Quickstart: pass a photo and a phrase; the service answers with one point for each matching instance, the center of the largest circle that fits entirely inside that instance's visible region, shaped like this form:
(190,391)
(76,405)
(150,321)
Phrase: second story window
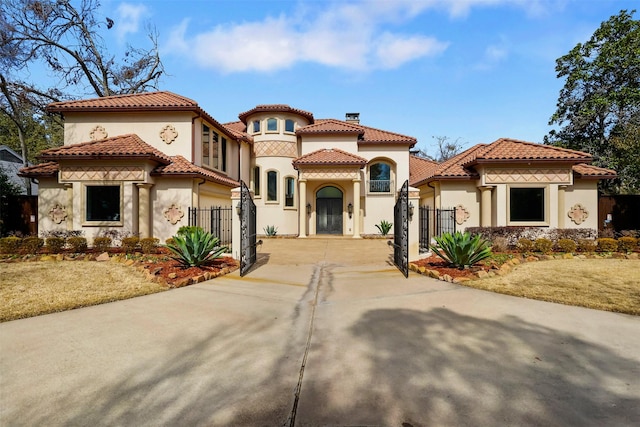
(272,125)
(214,150)
(379,178)
(223,153)
(256,126)
(289,125)
(205,144)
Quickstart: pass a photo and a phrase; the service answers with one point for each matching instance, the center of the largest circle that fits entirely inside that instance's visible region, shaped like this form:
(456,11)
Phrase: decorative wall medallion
(578,213)
(462,214)
(173,214)
(168,134)
(58,214)
(98,133)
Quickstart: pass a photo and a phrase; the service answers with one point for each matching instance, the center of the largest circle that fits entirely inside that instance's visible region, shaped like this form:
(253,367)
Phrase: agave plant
(461,250)
(193,248)
(384,227)
(270,230)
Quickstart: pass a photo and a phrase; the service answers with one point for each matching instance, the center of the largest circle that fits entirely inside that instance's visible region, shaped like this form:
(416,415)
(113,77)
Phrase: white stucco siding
(585,193)
(78,128)
(210,194)
(377,208)
(274,212)
(280,134)
(164,194)
(311,143)
(51,194)
(465,193)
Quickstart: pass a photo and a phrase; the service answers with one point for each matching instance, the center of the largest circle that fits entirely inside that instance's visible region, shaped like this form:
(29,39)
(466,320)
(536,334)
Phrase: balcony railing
(380,186)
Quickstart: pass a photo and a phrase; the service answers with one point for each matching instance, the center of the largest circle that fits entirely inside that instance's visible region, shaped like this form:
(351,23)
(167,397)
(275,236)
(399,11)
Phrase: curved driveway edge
(376,348)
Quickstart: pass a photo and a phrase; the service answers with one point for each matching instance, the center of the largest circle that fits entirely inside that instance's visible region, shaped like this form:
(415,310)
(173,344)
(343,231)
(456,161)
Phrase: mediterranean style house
(139,162)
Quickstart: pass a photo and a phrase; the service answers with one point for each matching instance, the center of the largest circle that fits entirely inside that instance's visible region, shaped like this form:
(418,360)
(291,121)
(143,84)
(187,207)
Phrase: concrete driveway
(322,332)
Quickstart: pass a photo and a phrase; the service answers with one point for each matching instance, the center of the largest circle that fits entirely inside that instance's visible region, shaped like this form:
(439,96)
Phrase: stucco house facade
(139,162)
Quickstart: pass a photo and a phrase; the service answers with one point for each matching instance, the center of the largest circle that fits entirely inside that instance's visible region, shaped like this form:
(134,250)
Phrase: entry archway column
(356,208)
(485,207)
(302,209)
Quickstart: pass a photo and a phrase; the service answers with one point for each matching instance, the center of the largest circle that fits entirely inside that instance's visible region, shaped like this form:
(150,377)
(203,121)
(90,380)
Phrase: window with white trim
(289,192)
(527,204)
(103,203)
(380,177)
(256,126)
(289,126)
(272,186)
(272,125)
(256,181)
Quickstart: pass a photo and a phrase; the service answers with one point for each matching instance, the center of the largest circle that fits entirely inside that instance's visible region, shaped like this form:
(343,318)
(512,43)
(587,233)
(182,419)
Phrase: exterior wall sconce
(239,208)
(308,208)
(410,210)
(350,209)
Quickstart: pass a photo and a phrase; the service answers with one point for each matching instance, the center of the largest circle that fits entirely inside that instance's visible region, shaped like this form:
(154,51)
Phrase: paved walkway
(322,332)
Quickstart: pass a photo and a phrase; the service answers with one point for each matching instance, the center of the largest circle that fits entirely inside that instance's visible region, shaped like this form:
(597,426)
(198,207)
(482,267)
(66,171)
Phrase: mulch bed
(436,263)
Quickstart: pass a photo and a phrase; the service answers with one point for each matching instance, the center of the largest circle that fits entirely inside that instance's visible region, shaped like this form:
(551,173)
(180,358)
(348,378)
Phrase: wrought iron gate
(401,230)
(247,230)
(435,222)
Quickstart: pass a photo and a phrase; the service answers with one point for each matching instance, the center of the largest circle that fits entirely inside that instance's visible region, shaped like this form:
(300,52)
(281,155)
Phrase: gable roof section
(506,150)
(182,167)
(366,134)
(138,102)
(329,157)
(585,171)
(128,146)
(48,169)
(420,168)
(513,150)
(239,130)
(275,108)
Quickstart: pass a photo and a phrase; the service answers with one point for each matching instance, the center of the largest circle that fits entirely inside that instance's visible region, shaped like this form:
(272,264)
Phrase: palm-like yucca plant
(196,247)
(384,227)
(461,250)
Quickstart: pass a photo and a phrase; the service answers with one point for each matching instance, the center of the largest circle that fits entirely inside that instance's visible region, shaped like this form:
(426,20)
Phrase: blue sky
(476,70)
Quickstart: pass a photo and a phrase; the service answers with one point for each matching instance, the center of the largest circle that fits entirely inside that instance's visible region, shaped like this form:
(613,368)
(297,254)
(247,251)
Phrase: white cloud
(493,55)
(352,35)
(128,19)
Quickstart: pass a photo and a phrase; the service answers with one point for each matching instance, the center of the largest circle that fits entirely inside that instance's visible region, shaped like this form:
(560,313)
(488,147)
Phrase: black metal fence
(215,220)
(434,222)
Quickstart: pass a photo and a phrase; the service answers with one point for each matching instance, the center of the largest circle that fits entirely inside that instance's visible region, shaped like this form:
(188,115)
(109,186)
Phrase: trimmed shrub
(77,244)
(31,245)
(10,245)
(512,234)
(566,245)
(101,244)
(627,244)
(130,244)
(524,245)
(499,244)
(543,245)
(587,245)
(170,241)
(607,244)
(55,244)
(149,245)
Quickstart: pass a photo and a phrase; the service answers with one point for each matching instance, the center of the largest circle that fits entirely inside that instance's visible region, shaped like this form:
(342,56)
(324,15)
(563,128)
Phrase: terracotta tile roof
(420,168)
(331,126)
(507,150)
(275,108)
(41,170)
(367,135)
(117,147)
(510,150)
(139,101)
(180,166)
(584,170)
(329,157)
(147,101)
(239,130)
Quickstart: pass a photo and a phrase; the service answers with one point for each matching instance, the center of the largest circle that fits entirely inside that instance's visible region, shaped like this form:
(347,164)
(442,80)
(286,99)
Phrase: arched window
(272,186)
(380,178)
(289,191)
(289,125)
(272,125)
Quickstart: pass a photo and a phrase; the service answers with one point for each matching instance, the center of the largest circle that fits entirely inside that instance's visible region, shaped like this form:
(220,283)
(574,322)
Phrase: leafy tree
(598,108)
(67,41)
(446,148)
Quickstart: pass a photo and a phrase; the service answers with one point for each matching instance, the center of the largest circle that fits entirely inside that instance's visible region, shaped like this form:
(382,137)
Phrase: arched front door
(329,211)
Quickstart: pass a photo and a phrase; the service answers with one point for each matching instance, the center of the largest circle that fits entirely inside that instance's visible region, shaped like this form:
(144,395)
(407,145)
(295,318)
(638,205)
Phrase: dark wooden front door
(329,216)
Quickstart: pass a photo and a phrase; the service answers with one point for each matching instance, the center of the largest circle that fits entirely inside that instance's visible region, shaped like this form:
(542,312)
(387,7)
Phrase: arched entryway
(329,210)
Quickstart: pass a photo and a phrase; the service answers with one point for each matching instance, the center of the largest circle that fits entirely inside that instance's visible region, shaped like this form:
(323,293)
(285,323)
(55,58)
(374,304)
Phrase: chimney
(352,118)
